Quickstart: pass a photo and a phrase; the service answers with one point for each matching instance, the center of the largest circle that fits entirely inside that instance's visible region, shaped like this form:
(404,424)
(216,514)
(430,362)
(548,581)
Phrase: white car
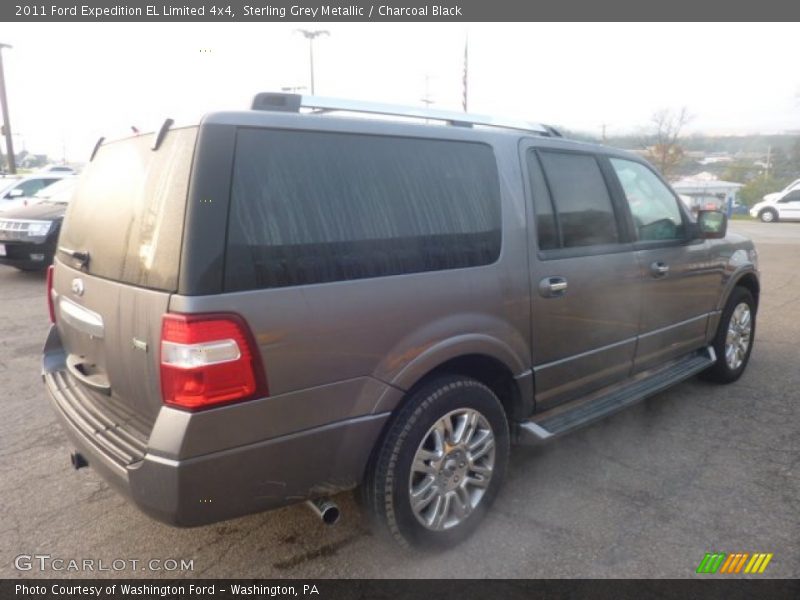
(780,206)
(795,185)
(22,192)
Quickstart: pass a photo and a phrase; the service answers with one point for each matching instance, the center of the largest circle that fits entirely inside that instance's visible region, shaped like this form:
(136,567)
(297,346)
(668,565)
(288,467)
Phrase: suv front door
(679,286)
(585,279)
(789,206)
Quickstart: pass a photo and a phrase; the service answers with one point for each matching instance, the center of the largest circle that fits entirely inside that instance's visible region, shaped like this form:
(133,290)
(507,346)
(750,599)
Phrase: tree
(740,171)
(661,141)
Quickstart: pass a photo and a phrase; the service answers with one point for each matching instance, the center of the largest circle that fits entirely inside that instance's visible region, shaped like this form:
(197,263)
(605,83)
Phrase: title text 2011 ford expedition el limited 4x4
(276,305)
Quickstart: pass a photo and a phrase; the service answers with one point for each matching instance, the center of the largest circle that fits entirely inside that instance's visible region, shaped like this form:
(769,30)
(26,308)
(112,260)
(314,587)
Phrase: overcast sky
(70,83)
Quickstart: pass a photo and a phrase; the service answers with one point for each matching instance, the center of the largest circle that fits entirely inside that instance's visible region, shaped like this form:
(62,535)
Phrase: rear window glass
(310,207)
(127,211)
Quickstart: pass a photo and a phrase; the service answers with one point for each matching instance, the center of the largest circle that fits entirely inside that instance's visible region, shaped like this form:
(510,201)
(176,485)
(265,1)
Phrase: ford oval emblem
(77,286)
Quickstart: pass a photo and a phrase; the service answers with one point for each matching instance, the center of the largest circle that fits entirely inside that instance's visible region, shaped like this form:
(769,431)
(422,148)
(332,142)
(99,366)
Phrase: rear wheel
(734,340)
(768,215)
(440,465)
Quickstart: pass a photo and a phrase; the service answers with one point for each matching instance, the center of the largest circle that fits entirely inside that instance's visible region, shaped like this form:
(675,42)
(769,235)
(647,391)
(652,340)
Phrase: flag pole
(465,79)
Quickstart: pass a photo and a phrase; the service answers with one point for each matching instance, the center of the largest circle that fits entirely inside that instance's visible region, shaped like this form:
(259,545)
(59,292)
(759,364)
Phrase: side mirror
(711,224)
(16,193)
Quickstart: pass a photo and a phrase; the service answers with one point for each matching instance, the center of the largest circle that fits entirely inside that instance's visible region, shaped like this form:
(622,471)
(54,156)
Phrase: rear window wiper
(79,255)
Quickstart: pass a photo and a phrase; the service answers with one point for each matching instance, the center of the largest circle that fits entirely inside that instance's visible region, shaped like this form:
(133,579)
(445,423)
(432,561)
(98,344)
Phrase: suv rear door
(117,265)
(585,283)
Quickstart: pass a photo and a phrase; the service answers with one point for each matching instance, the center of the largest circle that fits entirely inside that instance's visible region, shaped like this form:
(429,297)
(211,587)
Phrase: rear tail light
(50,305)
(209,359)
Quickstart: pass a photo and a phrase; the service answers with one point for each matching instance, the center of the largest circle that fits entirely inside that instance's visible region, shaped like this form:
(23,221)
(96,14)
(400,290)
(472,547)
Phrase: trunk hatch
(118,264)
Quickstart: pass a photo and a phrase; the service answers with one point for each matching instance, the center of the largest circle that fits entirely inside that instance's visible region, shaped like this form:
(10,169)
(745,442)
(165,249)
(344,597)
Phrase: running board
(566,418)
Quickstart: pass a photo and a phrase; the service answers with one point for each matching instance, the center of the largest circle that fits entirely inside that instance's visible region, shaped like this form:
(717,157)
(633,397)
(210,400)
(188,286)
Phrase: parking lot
(646,493)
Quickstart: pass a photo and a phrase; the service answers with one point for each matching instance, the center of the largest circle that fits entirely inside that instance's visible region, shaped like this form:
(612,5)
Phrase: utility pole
(12,165)
(311,36)
(465,77)
(769,159)
(604,138)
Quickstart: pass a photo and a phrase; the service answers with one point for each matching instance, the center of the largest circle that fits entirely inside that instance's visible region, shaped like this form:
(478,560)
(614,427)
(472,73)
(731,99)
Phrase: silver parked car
(277,305)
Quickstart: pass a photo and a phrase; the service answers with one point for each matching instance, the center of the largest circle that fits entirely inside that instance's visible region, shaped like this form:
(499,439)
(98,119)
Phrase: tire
(447,471)
(729,367)
(768,216)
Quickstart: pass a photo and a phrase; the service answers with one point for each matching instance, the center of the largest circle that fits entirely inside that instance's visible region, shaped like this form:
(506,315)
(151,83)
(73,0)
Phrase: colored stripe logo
(734,563)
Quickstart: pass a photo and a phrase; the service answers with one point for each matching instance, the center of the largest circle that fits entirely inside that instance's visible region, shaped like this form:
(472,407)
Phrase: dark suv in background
(29,234)
(277,305)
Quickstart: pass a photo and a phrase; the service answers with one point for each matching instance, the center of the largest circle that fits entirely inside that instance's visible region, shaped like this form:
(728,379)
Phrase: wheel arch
(480,357)
(747,279)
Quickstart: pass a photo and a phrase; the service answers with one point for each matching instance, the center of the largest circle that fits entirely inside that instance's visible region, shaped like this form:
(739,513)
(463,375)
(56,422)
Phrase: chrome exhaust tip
(326,509)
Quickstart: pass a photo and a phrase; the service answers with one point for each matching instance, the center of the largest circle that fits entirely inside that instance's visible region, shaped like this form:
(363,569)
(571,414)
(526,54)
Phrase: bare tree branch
(661,143)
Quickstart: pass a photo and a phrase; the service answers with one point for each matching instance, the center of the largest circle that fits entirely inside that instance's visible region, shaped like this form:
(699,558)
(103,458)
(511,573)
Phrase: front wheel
(440,464)
(768,215)
(734,340)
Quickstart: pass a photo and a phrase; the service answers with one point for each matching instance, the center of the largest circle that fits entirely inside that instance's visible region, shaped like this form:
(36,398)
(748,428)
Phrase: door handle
(553,287)
(659,269)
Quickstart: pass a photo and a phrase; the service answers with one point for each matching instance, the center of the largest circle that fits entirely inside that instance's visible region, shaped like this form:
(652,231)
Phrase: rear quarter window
(311,207)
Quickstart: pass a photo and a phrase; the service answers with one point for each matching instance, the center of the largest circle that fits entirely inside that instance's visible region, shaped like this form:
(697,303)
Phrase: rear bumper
(219,485)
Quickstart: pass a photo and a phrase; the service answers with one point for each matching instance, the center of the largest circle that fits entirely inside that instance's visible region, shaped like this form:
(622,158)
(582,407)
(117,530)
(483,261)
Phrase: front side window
(312,207)
(655,210)
(585,215)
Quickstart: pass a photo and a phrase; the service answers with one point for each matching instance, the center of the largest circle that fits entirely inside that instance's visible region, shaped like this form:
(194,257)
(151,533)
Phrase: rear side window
(584,212)
(127,211)
(311,207)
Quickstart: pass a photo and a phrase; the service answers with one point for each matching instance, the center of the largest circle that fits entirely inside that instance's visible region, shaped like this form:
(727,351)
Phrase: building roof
(705,182)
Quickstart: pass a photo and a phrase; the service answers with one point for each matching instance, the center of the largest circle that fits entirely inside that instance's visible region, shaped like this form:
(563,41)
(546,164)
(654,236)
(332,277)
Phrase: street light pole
(311,36)
(12,165)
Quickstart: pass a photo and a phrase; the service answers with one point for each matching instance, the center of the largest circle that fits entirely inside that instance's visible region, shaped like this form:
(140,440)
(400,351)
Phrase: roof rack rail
(294,102)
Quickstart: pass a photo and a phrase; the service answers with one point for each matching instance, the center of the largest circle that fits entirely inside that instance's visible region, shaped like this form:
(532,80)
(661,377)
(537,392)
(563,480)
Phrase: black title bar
(479,589)
(397,11)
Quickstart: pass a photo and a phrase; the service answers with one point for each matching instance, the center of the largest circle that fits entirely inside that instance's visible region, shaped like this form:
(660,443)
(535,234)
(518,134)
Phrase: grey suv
(276,305)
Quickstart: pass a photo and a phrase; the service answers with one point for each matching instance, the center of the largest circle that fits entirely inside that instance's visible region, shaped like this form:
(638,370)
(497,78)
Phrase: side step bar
(569,417)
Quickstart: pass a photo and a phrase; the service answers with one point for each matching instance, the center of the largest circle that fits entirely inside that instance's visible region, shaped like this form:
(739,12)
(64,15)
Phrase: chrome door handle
(553,287)
(659,269)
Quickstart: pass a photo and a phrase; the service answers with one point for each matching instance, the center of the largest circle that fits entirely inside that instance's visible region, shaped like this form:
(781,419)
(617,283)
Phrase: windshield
(7,184)
(792,185)
(60,191)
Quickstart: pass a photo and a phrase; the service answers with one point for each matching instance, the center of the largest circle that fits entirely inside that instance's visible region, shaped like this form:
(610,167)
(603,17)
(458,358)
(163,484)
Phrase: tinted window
(585,213)
(654,207)
(310,207)
(546,229)
(128,209)
(791,196)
